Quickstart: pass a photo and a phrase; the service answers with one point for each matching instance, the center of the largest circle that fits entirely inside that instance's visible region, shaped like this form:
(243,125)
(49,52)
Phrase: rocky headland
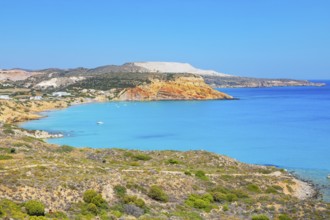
(180,88)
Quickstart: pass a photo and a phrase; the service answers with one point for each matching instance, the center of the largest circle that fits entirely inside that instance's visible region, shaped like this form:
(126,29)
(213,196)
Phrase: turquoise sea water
(288,127)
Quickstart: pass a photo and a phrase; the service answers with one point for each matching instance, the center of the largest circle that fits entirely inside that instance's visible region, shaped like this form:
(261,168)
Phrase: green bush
(172,161)
(65,149)
(240,194)
(284,217)
(89,195)
(34,208)
(134,200)
(116,213)
(98,200)
(157,193)
(260,217)
(143,157)
(271,189)
(253,188)
(201,175)
(2,212)
(203,202)
(92,208)
(221,194)
(188,173)
(225,207)
(120,190)
(221,197)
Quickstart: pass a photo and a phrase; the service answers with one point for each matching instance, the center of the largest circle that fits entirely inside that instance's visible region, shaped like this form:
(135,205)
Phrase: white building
(5,97)
(36,98)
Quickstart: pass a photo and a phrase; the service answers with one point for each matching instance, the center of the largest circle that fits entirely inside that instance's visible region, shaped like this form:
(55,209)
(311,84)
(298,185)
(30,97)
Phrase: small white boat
(328,176)
(100,122)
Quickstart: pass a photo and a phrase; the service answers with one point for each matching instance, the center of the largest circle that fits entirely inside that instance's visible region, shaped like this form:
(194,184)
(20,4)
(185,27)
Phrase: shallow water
(288,127)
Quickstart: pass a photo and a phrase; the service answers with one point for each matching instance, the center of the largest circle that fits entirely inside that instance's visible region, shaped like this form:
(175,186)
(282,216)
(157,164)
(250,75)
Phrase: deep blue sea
(288,127)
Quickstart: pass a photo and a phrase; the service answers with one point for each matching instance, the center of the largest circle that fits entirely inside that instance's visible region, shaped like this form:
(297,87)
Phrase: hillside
(61,78)
(137,86)
(145,185)
(17,74)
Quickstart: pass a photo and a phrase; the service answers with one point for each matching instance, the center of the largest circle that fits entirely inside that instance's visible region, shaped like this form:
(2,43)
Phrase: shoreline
(308,189)
(305,188)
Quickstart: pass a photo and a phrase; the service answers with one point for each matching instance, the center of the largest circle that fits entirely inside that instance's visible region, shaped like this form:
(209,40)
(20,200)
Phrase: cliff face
(180,88)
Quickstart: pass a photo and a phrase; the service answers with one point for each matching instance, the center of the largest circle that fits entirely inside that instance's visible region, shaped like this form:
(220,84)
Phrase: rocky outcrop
(36,133)
(180,88)
(11,111)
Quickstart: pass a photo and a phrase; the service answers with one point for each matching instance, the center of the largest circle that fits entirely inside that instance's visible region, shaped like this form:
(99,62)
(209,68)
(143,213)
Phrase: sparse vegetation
(86,188)
(5,157)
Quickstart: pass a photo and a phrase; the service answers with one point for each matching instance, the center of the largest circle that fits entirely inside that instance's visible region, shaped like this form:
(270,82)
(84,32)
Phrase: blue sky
(262,38)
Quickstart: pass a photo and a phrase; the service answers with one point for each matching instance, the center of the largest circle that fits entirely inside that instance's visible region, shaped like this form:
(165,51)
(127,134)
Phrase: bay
(288,127)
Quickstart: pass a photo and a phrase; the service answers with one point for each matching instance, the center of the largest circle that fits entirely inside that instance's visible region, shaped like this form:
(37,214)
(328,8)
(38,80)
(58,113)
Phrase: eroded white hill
(174,67)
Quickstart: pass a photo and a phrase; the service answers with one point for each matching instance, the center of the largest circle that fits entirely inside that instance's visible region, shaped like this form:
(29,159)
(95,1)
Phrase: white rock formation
(174,67)
(57,82)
